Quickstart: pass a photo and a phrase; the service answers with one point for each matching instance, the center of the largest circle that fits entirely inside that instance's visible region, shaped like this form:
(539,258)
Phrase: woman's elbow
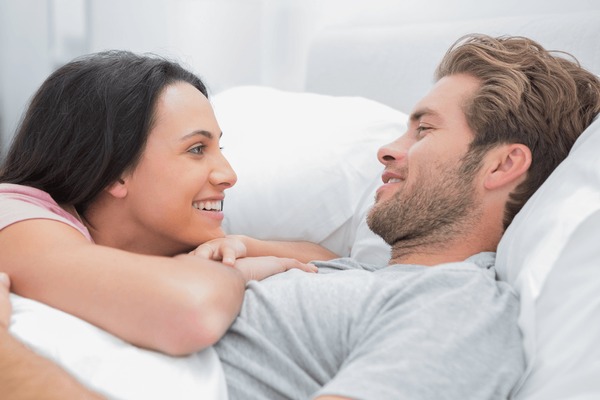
(195,334)
(198,326)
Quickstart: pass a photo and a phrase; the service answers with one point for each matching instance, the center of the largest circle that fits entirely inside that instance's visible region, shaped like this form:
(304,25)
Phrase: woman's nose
(222,173)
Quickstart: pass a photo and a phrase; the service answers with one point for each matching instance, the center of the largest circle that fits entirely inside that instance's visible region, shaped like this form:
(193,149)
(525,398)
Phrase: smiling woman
(172,191)
(111,205)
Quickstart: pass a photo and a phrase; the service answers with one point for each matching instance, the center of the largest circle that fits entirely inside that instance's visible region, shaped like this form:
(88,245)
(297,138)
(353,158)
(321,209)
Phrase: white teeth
(394,180)
(216,205)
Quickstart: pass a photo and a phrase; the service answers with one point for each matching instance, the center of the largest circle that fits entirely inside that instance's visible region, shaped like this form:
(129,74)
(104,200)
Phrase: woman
(114,179)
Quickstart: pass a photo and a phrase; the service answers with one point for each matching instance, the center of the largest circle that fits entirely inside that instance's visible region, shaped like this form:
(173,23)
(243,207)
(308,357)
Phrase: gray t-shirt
(399,332)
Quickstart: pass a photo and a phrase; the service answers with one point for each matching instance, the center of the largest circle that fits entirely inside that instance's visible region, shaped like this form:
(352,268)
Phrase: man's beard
(439,205)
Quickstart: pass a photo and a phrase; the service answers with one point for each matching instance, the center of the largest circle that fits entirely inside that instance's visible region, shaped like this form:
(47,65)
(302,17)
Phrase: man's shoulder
(477,267)
(475,275)
(483,261)
(345,264)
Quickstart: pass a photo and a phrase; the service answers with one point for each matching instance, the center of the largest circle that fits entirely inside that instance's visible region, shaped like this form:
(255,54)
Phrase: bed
(307,170)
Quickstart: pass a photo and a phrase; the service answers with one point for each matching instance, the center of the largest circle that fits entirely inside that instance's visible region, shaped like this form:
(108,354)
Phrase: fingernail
(4,278)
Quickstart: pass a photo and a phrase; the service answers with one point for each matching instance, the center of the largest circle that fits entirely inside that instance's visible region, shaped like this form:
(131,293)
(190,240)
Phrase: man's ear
(510,164)
(118,188)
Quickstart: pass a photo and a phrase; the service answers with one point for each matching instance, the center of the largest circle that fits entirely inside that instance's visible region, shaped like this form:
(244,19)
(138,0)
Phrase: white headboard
(395,64)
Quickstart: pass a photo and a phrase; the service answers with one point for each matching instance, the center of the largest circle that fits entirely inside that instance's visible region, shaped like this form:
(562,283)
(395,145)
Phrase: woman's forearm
(176,305)
(302,251)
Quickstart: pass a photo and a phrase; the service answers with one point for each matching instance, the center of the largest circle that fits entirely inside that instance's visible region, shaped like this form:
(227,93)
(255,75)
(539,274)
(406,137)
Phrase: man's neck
(434,254)
(427,259)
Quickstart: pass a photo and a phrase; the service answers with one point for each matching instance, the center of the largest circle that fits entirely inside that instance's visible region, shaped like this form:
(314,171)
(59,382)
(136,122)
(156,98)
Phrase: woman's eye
(199,149)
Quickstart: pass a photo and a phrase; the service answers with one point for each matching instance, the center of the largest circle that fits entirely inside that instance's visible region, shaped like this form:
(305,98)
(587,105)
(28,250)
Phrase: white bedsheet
(111,366)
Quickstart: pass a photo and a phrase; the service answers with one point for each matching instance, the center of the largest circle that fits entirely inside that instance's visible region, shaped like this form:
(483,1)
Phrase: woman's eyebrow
(201,132)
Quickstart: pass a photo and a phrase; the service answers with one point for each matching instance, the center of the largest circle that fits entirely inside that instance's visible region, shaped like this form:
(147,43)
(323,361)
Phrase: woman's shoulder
(10,192)
(23,199)
(20,203)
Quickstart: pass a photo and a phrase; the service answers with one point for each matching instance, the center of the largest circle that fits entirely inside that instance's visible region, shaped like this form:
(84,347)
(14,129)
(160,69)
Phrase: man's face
(428,191)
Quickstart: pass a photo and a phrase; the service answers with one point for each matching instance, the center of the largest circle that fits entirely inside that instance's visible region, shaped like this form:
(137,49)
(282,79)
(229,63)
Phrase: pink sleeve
(14,210)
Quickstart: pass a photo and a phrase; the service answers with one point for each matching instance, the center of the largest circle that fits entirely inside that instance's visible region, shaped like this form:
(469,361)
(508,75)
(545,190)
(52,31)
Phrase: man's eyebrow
(417,114)
(201,132)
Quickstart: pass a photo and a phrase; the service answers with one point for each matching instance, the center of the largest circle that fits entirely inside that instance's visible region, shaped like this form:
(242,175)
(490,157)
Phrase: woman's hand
(258,268)
(5,306)
(232,247)
(232,250)
(227,250)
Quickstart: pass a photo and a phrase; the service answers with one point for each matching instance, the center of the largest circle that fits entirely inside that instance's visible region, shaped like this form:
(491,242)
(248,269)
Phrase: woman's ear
(118,188)
(510,165)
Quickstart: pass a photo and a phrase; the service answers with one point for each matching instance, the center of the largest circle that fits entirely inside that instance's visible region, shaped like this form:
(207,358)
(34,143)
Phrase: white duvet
(111,366)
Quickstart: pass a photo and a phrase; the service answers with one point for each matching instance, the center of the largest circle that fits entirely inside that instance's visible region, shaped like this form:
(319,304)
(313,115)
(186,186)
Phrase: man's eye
(199,149)
(421,131)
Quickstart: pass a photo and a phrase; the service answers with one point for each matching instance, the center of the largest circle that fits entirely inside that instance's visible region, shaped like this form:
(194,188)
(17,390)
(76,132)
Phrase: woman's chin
(212,234)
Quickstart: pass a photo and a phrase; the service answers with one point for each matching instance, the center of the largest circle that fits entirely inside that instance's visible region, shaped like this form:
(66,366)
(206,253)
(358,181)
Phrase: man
(434,323)
(25,375)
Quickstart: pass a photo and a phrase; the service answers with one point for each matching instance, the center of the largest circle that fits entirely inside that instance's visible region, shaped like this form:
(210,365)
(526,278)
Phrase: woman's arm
(301,251)
(228,248)
(175,305)
(26,375)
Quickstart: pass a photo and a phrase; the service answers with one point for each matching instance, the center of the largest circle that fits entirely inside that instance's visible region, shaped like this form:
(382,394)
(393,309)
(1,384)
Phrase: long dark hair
(88,123)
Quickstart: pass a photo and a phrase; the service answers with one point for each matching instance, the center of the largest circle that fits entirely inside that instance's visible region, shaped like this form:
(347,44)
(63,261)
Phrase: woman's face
(175,192)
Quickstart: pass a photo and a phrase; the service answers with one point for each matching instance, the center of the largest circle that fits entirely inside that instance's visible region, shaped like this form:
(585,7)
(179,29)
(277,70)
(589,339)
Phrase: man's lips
(389,179)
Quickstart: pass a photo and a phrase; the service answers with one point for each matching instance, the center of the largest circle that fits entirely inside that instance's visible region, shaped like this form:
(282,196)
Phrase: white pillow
(307,166)
(551,254)
(111,366)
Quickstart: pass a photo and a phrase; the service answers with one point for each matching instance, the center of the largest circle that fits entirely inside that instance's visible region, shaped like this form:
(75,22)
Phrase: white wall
(227,42)
(235,42)
(24,58)
(219,39)
(285,59)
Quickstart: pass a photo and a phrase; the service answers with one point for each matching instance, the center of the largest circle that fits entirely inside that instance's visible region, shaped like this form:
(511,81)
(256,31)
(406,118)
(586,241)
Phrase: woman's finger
(4,280)
(5,306)
(292,263)
(204,251)
(229,256)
